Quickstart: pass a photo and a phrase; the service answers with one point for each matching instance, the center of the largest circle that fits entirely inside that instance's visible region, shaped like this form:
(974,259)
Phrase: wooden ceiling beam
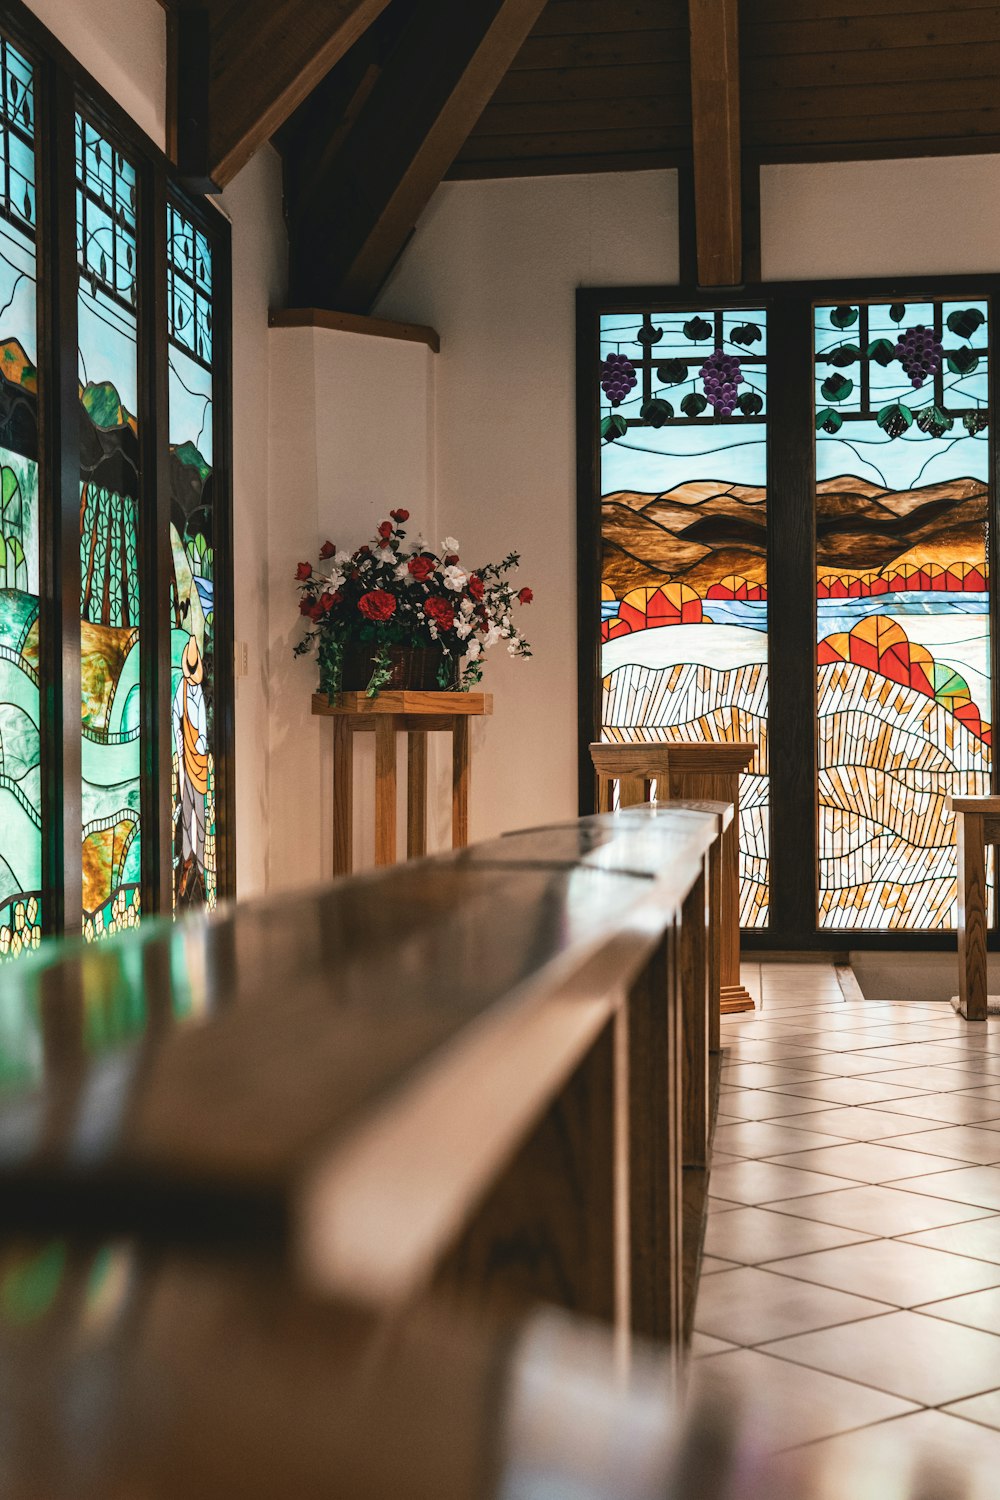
(351,222)
(715,134)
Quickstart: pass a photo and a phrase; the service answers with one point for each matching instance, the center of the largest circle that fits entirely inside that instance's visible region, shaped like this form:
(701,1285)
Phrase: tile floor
(850,1293)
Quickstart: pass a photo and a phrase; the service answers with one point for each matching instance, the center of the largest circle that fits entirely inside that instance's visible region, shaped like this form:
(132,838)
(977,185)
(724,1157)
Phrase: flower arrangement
(388,598)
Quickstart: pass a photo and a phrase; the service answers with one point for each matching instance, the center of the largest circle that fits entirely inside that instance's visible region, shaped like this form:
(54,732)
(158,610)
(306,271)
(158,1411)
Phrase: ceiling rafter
(715,134)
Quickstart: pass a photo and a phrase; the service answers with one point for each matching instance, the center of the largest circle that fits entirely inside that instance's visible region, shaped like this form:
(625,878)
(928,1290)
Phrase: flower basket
(398,615)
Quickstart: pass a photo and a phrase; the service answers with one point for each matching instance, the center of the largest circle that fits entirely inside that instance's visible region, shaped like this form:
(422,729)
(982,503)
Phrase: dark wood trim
(471,169)
(344,322)
(189,60)
(59,478)
(588,548)
(750,216)
(715,136)
(156,565)
(223,574)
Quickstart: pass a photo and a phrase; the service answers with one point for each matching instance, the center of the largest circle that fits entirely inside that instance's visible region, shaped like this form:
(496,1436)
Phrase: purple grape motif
(919,352)
(617,377)
(720,375)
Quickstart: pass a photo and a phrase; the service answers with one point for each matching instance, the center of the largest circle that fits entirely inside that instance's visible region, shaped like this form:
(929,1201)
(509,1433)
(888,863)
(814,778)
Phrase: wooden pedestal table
(977,824)
(688,771)
(416,713)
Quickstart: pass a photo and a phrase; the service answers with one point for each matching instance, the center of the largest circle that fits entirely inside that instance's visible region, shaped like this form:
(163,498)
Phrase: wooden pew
(466,1073)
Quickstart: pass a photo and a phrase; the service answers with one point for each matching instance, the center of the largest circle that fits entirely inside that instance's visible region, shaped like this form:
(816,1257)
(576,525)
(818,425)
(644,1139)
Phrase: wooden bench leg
(460,764)
(416,794)
(385,790)
(715,944)
(972,983)
(343,796)
(694,1002)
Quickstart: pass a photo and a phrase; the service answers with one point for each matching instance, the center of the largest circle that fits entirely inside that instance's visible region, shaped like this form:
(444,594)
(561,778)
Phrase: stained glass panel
(20,718)
(192,542)
(109,533)
(684,548)
(904,652)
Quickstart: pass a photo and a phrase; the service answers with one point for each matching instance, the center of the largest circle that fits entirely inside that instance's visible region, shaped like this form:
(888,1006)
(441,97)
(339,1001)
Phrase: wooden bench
(481,1073)
(977,824)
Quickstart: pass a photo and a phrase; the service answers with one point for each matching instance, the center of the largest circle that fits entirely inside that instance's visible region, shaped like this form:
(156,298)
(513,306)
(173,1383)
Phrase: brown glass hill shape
(861,526)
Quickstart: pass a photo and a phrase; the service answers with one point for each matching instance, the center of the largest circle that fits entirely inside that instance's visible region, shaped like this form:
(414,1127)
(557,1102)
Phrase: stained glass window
(192,542)
(684,544)
(904,652)
(109,533)
(20,718)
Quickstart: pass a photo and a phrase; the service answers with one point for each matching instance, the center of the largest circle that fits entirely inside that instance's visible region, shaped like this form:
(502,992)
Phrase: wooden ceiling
(605,85)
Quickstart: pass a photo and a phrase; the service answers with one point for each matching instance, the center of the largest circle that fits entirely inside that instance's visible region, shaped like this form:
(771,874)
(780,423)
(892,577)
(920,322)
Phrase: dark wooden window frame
(61,87)
(791,563)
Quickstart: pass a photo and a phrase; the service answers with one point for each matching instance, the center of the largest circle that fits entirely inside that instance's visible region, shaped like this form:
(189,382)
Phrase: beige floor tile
(711,1264)
(844,1064)
(763,1138)
(905,1354)
(886,1211)
(749,1306)
(919,1055)
(852,1091)
(950,1109)
(724,1158)
(754,1182)
(834,1039)
(702,1344)
(985,1409)
(863,1123)
(979,1238)
(934,1080)
(893,1271)
(965,1143)
(752,1235)
(769,1049)
(978,1309)
(990,1092)
(976,1185)
(783,1404)
(865,1161)
(755,1104)
(751,1075)
(892,1459)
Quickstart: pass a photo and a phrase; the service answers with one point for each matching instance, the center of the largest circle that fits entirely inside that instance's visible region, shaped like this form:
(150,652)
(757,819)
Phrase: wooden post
(715,132)
(343,797)
(460,760)
(385,790)
(694,1003)
(416,793)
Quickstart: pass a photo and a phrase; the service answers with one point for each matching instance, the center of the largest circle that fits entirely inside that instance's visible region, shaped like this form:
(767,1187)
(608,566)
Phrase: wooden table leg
(715,943)
(694,1003)
(416,794)
(972,984)
(631,791)
(385,790)
(460,763)
(734,997)
(343,796)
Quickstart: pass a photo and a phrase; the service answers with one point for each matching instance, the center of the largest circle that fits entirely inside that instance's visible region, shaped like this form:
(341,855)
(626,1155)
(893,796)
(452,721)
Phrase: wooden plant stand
(688,771)
(416,713)
(977,824)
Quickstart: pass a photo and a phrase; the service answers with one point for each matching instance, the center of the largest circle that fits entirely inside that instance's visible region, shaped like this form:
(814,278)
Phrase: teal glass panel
(20,718)
(683,404)
(109,534)
(192,543)
(903,619)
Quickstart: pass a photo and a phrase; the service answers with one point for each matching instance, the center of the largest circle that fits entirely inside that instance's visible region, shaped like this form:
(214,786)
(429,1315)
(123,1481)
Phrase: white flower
(419,544)
(433,630)
(462,629)
(466,606)
(514,647)
(473,650)
(403,573)
(455,578)
(342,558)
(449,545)
(335,581)
(491,637)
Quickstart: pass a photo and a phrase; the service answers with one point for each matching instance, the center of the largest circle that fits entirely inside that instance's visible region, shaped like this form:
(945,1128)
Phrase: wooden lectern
(688,771)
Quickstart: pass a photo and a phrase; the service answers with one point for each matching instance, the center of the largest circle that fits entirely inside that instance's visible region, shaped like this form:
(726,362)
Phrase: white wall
(494,267)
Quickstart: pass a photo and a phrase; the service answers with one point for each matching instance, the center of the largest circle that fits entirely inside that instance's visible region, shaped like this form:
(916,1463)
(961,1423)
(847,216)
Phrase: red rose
(421,567)
(327,549)
(385,529)
(377,605)
(306,604)
(363,552)
(450,559)
(303,571)
(525,596)
(400,515)
(441,611)
(476,586)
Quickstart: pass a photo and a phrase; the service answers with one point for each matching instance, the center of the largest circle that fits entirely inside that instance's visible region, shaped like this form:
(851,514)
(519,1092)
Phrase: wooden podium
(688,771)
(416,713)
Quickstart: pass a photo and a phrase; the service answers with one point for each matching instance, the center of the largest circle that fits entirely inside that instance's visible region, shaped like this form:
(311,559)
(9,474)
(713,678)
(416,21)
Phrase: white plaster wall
(926,216)
(494,267)
(124,46)
(352,437)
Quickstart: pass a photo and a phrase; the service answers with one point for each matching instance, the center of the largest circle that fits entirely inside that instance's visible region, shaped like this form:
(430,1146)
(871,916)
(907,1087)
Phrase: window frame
(791,570)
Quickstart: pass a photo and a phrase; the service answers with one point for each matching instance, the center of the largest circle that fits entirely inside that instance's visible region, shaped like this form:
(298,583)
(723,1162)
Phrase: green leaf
(964,321)
(750,403)
(882,351)
(975,422)
(836,388)
(846,354)
(693,404)
(613,427)
(895,419)
(844,317)
(656,412)
(747,334)
(672,371)
(649,335)
(697,329)
(829,420)
(963,361)
(934,421)
(897,312)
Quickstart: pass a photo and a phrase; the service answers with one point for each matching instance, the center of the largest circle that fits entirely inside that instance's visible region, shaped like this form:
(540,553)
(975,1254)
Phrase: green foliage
(963,361)
(656,412)
(672,371)
(829,420)
(846,354)
(844,317)
(747,334)
(975,422)
(897,312)
(964,322)
(836,388)
(614,426)
(881,351)
(649,335)
(934,422)
(693,404)
(895,419)
(381,671)
(697,329)
(750,403)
